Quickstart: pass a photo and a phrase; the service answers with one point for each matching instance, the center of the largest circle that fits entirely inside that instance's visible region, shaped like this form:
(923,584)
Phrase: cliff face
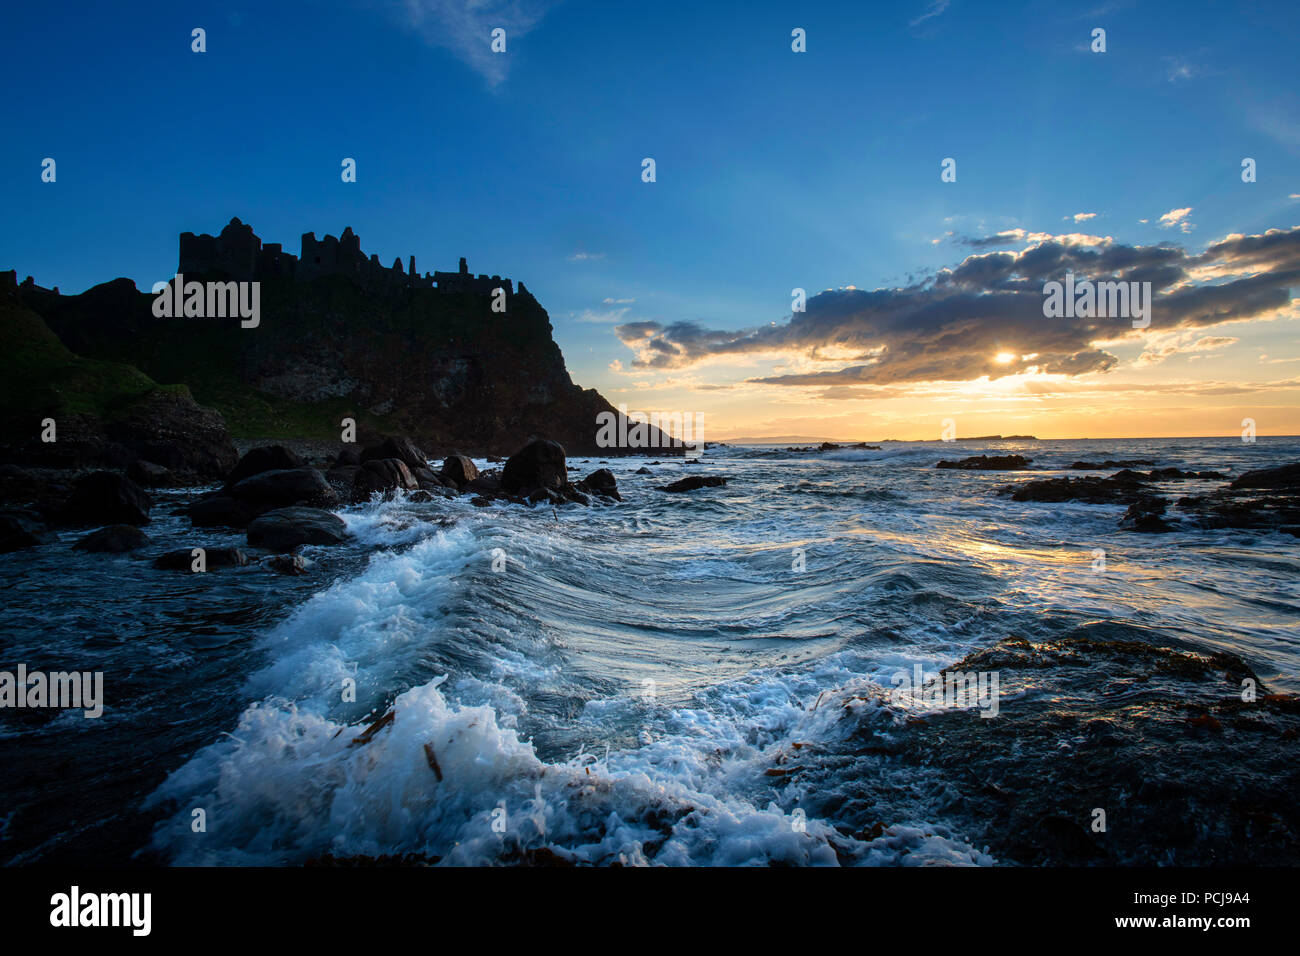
(400,357)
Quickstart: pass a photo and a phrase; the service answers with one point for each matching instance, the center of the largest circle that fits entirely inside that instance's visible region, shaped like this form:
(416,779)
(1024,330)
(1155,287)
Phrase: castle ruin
(240,254)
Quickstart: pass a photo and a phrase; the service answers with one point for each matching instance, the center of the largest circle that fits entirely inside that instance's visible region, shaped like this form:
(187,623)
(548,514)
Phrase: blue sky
(775,169)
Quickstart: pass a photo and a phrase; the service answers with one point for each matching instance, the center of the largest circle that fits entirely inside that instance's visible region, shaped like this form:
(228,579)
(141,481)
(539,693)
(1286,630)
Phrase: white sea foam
(292,782)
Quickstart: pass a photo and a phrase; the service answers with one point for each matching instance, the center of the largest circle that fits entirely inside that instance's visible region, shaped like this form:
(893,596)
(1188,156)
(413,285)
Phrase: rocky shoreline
(282,499)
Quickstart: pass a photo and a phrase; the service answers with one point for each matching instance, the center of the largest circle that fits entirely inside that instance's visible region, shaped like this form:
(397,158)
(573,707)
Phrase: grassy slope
(40,377)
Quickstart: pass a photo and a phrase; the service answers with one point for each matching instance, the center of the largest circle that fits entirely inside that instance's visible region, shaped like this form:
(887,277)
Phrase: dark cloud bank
(951,326)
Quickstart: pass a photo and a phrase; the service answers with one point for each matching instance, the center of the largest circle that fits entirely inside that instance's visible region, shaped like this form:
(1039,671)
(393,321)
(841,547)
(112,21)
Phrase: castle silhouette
(239,253)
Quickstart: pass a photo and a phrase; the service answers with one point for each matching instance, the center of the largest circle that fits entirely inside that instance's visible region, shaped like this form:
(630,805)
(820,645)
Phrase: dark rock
(1175,474)
(643,470)
(115,539)
(574,495)
(1266,499)
(601,482)
(284,487)
(988,463)
(1117,489)
(459,470)
(287,529)
(544,496)
(487,483)
(348,455)
(692,482)
(1097,711)
(1127,475)
(168,428)
(290,564)
(1282,478)
(1101,466)
(428,480)
(1146,514)
(382,475)
(148,474)
(19,530)
(403,449)
(342,477)
(183,559)
(539,464)
(221,511)
(105,497)
(265,458)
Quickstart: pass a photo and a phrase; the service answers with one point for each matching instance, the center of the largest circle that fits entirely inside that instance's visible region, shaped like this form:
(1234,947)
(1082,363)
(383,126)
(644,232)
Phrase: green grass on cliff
(39,376)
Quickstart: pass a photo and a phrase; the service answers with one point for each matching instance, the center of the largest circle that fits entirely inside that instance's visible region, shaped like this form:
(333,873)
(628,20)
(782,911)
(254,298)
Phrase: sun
(1004,358)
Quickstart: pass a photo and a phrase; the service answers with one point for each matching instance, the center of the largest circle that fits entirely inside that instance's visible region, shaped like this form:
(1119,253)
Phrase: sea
(613,684)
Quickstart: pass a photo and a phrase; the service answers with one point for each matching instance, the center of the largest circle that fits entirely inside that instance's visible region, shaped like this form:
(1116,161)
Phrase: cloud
(465,28)
(586,256)
(607,316)
(1178,70)
(936,8)
(1012,237)
(950,327)
(1161,347)
(1177,217)
(1083,216)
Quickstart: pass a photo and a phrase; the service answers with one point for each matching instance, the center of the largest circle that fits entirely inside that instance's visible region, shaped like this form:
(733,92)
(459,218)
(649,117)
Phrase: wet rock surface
(1186,770)
(988,463)
(287,529)
(114,539)
(694,482)
(183,559)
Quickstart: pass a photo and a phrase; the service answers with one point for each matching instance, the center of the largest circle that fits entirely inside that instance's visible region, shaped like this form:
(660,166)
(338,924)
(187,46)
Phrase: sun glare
(1004,358)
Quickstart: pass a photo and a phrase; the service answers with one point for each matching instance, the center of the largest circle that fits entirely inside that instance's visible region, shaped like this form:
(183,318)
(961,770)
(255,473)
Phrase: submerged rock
(1146,514)
(1107,464)
(1122,488)
(1189,767)
(183,559)
(114,539)
(1267,499)
(293,565)
(692,482)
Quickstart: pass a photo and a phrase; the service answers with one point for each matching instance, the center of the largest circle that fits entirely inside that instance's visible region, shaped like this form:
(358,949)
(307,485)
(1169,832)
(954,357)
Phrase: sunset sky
(775,170)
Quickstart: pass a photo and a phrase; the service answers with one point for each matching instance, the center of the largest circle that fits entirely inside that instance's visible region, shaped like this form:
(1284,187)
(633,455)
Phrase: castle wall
(239,253)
